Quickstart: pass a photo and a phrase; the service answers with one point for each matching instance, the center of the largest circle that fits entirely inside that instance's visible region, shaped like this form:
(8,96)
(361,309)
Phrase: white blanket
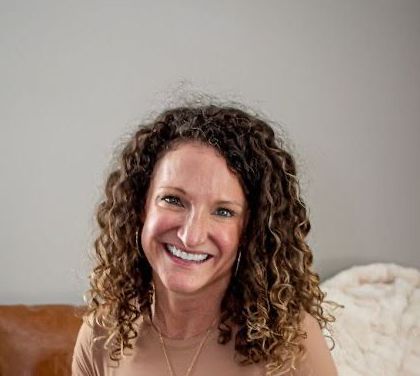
(378,331)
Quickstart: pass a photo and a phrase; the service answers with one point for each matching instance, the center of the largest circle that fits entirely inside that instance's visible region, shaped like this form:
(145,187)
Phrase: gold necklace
(195,357)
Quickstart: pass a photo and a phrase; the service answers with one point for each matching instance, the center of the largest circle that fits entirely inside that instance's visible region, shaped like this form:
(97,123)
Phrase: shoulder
(87,349)
(82,355)
(317,359)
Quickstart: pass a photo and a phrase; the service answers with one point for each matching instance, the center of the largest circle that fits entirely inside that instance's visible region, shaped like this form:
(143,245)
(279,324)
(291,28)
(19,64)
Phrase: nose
(193,231)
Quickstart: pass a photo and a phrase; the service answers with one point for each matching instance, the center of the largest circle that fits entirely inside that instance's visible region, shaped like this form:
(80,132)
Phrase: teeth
(186,255)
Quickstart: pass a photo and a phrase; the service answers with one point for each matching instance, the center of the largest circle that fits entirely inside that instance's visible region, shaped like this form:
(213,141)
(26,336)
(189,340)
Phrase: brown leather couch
(38,340)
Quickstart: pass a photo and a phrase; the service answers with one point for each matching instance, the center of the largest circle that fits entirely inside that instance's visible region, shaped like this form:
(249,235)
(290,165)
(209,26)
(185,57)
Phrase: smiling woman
(202,264)
(194,217)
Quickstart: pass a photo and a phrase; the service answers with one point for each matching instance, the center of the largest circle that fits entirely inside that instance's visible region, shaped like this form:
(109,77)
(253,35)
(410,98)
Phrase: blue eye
(223,212)
(172,200)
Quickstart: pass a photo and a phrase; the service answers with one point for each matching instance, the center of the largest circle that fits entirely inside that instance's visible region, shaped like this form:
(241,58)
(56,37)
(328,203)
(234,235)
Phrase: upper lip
(188,250)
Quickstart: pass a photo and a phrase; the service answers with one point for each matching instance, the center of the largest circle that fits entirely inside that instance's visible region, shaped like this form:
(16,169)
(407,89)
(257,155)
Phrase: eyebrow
(174,188)
(223,202)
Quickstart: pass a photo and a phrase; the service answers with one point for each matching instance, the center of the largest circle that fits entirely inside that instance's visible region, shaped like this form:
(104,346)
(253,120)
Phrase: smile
(186,256)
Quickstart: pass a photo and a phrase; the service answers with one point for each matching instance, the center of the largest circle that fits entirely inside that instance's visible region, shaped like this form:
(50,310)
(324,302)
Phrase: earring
(237,263)
(137,241)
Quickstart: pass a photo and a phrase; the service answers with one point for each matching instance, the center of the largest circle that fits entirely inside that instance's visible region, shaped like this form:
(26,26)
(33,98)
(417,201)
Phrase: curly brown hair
(274,284)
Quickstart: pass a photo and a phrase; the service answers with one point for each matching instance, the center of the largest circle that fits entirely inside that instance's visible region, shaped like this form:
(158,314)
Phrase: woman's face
(194,215)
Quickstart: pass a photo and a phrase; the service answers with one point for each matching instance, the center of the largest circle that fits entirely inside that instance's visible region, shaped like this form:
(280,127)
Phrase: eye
(172,200)
(223,212)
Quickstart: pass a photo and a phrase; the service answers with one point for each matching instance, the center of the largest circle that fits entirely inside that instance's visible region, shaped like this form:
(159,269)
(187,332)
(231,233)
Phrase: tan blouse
(148,359)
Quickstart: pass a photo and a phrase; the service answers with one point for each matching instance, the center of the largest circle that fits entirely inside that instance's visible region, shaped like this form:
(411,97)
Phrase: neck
(180,316)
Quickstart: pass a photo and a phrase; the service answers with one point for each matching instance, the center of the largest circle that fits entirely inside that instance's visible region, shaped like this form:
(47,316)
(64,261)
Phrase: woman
(202,265)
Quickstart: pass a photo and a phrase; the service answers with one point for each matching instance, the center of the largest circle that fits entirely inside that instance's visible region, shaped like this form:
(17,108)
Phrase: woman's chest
(150,358)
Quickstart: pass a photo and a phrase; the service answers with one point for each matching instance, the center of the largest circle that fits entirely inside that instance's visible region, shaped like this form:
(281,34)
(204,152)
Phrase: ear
(142,214)
(247,215)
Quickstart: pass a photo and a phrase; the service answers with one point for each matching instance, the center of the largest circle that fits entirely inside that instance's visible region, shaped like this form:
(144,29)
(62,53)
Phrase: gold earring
(237,263)
(137,241)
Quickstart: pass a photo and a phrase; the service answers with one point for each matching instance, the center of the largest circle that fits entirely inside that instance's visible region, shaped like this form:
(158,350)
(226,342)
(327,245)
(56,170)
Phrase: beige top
(148,359)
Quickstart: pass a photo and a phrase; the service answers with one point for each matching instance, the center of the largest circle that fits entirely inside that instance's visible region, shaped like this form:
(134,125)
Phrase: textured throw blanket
(377,333)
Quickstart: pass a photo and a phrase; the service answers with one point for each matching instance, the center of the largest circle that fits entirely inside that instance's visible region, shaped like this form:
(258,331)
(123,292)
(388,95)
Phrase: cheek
(228,240)
(155,226)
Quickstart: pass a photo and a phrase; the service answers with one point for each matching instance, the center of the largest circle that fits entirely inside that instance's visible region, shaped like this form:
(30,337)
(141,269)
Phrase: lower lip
(182,262)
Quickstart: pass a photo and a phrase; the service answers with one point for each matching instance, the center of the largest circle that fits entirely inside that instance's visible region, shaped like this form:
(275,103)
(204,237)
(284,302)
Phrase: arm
(318,360)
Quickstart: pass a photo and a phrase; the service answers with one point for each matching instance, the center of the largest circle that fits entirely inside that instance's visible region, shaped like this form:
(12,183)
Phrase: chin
(181,284)
(177,285)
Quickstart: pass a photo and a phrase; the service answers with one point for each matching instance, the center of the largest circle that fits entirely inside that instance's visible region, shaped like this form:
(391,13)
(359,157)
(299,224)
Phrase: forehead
(197,167)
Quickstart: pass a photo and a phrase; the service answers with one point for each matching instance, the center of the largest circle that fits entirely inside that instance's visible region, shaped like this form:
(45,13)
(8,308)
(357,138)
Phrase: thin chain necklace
(195,357)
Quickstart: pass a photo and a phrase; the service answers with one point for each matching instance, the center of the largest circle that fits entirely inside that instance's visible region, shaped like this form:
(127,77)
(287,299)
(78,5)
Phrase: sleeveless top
(147,357)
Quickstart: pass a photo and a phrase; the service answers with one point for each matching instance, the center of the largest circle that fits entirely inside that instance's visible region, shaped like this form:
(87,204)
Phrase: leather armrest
(38,340)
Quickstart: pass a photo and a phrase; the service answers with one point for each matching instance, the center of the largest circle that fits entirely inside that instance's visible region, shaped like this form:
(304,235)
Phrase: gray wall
(342,76)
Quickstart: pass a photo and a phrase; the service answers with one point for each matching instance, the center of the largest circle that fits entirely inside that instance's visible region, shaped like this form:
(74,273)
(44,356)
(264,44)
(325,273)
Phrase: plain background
(343,77)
